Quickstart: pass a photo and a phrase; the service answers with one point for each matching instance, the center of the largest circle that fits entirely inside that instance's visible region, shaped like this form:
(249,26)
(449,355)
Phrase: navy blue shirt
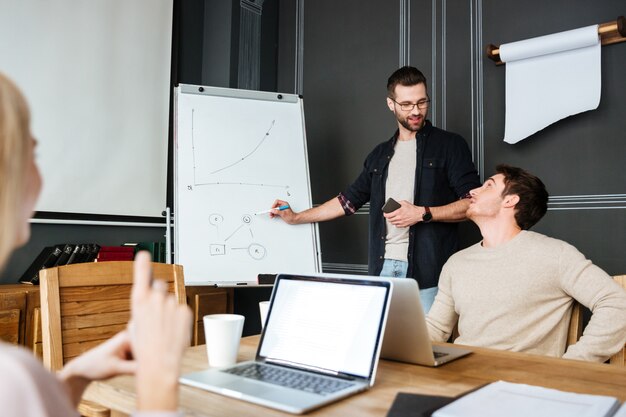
(444,173)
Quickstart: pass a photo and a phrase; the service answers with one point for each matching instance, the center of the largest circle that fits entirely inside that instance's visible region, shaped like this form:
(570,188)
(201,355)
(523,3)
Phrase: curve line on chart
(265,136)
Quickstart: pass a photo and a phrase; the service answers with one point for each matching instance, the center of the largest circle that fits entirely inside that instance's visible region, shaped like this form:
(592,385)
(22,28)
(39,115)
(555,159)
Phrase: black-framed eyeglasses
(422,104)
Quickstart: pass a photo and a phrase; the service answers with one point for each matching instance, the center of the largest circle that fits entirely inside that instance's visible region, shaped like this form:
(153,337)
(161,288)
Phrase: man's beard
(412,128)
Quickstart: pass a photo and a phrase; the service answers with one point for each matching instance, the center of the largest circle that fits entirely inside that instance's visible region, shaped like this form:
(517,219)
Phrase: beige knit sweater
(518,296)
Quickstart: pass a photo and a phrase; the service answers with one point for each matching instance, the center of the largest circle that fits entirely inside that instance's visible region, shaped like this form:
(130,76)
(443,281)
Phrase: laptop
(406,335)
(321,343)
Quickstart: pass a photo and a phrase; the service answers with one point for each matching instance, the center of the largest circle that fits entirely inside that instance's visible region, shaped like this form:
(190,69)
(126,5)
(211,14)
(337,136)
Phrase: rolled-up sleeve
(462,174)
(359,192)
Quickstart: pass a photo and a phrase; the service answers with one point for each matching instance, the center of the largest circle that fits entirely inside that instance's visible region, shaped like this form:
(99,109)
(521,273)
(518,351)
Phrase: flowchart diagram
(255,250)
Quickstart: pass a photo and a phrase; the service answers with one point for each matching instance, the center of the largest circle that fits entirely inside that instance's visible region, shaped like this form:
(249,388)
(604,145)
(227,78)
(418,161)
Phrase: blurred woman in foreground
(150,348)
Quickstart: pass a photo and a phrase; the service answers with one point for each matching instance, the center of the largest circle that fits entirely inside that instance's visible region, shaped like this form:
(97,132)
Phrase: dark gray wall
(350,47)
(338,54)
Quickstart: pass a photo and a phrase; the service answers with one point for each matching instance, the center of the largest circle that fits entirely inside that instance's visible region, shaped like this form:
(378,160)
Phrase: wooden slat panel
(12,300)
(95,273)
(200,337)
(72,350)
(94,320)
(50,319)
(209,303)
(91,333)
(110,273)
(178,279)
(212,303)
(575,329)
(13,307)
(91,409)
(95,293)
(100,293)
(38,350)
(10,326)
(37,337)
(620,357)
(76,308)
(32,333)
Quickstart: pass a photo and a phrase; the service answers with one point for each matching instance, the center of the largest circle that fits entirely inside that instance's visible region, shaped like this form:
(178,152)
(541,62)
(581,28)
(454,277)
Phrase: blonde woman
(159,329)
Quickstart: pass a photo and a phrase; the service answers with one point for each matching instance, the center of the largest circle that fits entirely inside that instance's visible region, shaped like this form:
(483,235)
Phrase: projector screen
(96,74)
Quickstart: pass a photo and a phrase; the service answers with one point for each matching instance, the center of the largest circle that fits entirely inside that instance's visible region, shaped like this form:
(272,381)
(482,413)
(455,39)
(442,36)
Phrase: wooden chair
(620,357)
(575,324)
(576,327)
(82,305)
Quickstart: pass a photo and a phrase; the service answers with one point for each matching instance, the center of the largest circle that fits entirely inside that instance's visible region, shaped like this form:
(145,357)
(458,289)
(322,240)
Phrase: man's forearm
(453,212)
(328,211)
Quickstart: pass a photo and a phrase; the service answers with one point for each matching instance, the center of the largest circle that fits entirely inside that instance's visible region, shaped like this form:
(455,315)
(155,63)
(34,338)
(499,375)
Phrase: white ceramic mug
(222,333)
(264,307)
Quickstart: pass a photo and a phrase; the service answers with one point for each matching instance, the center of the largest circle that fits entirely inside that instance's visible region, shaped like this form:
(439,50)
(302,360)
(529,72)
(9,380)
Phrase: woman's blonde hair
(14,136)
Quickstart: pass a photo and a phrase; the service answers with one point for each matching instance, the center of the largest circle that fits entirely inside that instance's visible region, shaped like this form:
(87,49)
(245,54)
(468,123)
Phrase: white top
(28,390)
(400,185)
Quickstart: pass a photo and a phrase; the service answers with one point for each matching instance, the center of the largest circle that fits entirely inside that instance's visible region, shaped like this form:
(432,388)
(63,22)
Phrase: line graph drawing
(267,134)
(261,141)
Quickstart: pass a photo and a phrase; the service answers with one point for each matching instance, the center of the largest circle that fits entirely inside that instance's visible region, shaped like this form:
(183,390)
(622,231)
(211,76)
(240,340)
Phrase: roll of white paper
(550,44)
(550,78)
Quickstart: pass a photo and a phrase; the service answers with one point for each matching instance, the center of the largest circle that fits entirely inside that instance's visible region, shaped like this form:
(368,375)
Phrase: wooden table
(481,367)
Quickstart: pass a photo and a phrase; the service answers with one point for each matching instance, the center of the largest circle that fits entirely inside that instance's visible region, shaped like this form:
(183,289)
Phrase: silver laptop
(406,335)
(321,342)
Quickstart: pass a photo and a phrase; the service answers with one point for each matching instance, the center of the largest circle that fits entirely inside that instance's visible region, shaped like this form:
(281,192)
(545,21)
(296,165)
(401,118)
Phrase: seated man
(515,289)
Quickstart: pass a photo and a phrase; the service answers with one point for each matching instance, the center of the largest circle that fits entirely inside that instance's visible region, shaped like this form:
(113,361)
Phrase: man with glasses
(427,170)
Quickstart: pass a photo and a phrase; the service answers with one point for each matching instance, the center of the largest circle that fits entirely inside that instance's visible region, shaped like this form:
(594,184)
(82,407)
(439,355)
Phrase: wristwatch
(427,216)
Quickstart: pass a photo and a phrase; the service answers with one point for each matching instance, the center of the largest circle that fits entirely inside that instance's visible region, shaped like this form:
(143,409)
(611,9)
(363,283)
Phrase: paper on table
(549,78)
(621,412)
(519,400)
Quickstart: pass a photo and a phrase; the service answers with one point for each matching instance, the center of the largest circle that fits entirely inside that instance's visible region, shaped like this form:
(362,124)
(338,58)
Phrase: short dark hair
(406,76)
(532,193)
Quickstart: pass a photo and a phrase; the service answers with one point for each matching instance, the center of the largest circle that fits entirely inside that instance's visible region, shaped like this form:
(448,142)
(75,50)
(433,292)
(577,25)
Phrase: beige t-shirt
(400,185)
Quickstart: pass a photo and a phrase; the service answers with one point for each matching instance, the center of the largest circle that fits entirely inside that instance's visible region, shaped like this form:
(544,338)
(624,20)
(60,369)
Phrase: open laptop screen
(324,323)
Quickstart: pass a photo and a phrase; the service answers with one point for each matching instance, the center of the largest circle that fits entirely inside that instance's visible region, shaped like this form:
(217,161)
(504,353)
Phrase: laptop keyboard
(439,354)
(290,379)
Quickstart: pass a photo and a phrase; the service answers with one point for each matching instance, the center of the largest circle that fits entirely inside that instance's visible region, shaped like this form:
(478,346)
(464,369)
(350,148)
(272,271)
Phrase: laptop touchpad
(247,387)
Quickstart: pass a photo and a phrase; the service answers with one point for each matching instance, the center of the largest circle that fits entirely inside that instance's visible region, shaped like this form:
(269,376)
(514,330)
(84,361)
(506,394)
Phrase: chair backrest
(82,305)
(620,357)
(576,326)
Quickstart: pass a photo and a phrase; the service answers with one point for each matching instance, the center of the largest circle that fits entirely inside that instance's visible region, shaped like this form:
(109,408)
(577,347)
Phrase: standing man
(428,171)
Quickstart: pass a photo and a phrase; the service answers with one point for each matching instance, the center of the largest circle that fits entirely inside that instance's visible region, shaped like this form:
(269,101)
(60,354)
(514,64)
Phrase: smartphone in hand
(391,205)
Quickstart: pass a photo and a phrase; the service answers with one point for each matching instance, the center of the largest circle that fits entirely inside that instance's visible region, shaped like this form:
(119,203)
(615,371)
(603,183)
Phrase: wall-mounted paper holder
(610,32)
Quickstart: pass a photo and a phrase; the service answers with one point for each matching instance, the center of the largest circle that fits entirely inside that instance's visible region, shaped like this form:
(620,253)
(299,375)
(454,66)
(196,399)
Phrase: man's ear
(510,200)
(390,104)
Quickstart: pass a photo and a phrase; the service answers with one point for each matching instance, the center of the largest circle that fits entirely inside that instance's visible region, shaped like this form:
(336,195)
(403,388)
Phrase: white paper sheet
(549,78)
(519,400)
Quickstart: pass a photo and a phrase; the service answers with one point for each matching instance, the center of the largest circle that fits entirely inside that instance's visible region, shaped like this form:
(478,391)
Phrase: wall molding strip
(299,64)
(587,202)
(433,84)
(476,39)
(405,32)
(339,268)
